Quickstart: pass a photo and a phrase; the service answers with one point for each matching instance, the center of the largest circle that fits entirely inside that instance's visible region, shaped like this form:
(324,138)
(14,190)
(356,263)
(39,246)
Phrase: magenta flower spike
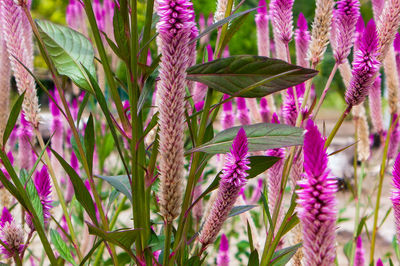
(57,130)
(317,202)
(359,258)
(375,105)
(282,19)
(379,262)
(394,139)
(302,39)
(233,178)
(11,234)
(262,23)
(228,119)
(6,217)
(345,19)
(395,196)
(75,16)
(257,192)
(25,137)
(264,110)
(223,254)
(365,66)
(242,111)
(396,45)
(175,31)
(289,111)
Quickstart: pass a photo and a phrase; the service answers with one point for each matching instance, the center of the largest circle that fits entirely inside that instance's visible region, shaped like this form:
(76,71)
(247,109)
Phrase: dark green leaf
(260,137)
(69,51)
(61,246)
(193,261)
(82,107)
(240,209)
(32,194)
(81,193)
(292,222)
(89,142)
(249,76)
(254,260)
(12,118)
(120,183)
(281,257)
(361,224)
(259,164)
(120,34)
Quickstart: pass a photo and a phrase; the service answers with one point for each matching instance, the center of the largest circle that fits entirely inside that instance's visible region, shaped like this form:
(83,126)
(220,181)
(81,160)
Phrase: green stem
(325,91)
(167,244)
(356,197)
(337,126)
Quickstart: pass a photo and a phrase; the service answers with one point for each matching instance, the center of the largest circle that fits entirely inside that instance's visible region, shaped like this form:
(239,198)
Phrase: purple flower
(395,197)
(223,254)
(317,202)
(228,120)
(289,111)
(261,18)
(264,110)
(11,234)
(379,262)
(242,111)
(282,19)
(233,178)
(375,105)
(302,39)
(25,137)
(345,19)
(365,67)
(359,259)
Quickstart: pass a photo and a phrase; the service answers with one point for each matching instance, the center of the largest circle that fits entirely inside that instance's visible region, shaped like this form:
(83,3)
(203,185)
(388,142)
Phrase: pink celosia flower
(257,192)
(175,31)
(317,202)
(344,20)
(379,262)
(11,234)
(228,119)
(242,111)
(302,39)
(200,89)
(289,110)
(5,76)
(359,259)
(233,178)
(377,7)
(395,197)
(375,105)
(25,137)
(57,130)
(262,20)
(282,19)
(365,67)
(394,139)
(223,254)
(264,110)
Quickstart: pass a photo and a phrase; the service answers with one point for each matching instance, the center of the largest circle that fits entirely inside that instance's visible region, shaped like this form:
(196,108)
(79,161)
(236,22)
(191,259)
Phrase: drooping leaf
(236,210)
(260,137)
(81,193)
(61,246)
(249,76)
(32,194)
(12,118)
(259,164)
(282,256)
(69,51)
(120,183)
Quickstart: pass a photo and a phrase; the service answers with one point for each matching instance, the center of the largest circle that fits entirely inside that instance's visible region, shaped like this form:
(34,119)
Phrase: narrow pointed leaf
(254,260)
(249,76)
(61,246)
(259,164)
(89,142)
(120,183)
(12,118)
(32,194)
(240,209)
(281,257)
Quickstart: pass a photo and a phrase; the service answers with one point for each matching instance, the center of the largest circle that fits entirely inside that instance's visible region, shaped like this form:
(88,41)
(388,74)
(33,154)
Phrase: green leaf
(120,183)
(81,193)
(89,142)
(12,118)
(148,89)
(347,249)
(82,107)
(249,76)
(250,236)
(240,209)
(120,34)
(282,256)
(69,51)
(292,222)
(260,137)
(105,149)
(259,164)
(90,253)
(123,238)
(32,194)
(254,260)
(61,246)
(266,209)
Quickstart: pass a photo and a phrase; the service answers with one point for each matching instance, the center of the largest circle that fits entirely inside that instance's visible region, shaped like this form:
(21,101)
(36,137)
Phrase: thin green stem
(325,91)
(167,244)
(337,126)
(356,196)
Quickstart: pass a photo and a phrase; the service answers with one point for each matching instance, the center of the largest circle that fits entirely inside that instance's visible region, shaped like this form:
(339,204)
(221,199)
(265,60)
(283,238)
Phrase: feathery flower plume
(302,40)
(394,139)
(359,259)
(242,111)
(25,136)
(175,31)
(345,19)
(296,237)
(11,234)
(197,210)
(264,110)
(377,7)
(361,125)
(13,32)
(228,119)
(365,67)
(43,187)
(262,20)
(375,105)
(395,196)
(289,111)
(282,19)
(223,254)
(388,24)
(317,202)
(5,76)
(320,30)
(392,80)
(233,178)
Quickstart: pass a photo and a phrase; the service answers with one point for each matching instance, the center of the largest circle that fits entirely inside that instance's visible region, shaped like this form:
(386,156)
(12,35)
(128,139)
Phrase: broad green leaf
(61,246)
(260,137)
(120,183)
(240,209)
(69,51)
(249,76)
(81,193)
(282,256)
(89,142)
(123,238)
(12,118)
(32,194)
(253,259)
(259,164)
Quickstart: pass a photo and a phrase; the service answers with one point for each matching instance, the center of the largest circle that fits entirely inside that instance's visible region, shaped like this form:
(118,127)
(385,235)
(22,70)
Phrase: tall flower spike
(200,89)
(232,180)
(262,24)
(394,139)
(282,19)
(365,67)
(359,259)
(5,76)
(345,20)
(375,105)
(302,40)
(395,197)
(223,254)
(57,130)
(242,111)
(175,31)
(11,234)
(317,202)
(13,31)
(320,30)
(361,125)
(379,262)
(228,119)
(25,137)
(289,110)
